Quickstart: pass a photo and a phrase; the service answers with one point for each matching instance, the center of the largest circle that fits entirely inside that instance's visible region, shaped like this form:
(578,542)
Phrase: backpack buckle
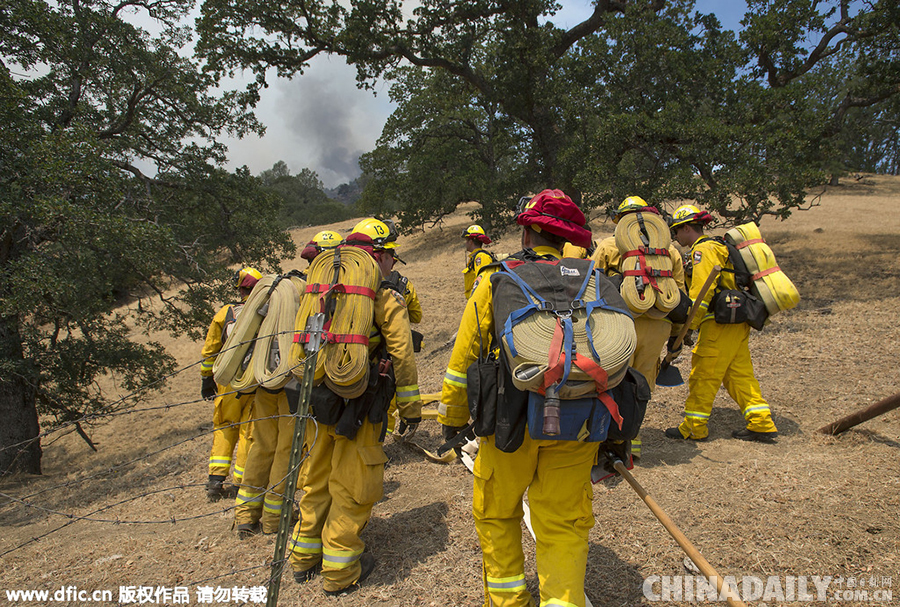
(563,314)
(545,306)
(578,304)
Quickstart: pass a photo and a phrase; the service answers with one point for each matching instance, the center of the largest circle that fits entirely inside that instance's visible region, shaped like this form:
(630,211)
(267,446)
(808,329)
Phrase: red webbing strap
(325,290)
(656,273)
(335,338)
(557,359)
(645,251)
(747,243)
(600,378)
(648,275)
(340,288)
(759,275)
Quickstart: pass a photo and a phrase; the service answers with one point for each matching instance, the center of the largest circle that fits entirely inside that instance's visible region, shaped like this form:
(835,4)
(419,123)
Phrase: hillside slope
(808,505)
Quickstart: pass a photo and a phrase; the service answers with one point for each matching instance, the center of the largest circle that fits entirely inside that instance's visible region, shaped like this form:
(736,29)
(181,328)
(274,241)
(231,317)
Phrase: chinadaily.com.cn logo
(802,588)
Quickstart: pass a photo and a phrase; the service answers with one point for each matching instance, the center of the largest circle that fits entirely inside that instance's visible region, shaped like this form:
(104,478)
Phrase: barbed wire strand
(122,465)
(109,411)
(88,517)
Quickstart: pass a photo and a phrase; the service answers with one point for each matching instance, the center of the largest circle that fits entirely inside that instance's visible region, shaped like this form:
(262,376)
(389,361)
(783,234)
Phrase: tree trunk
(20,448)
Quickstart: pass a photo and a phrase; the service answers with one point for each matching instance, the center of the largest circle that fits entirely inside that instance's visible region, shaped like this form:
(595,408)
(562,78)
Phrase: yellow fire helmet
(246,278)
(327,239)
(477,233)
(630,204)
(688,213)
(382,236)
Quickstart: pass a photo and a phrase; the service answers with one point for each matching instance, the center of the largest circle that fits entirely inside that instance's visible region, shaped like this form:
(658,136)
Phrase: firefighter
(401,284)
(652,333)
(231,414)
(343,477)
(721,355)
(556,474)
(260,495)
(476,257)
(326,239)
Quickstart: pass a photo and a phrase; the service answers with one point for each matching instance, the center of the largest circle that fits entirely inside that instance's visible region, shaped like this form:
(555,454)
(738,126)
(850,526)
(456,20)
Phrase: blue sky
(323,122)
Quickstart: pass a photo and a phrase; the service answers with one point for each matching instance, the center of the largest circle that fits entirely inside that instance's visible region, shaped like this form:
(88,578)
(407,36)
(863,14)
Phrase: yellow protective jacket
(472,334)
(405,287)
(478,259)
(392,326)
(571,250)
(704,254)
(215,338)
(608,258)
(413,306)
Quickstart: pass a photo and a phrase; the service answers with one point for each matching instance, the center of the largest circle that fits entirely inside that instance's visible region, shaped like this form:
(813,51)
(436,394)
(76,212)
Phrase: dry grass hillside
(808,505)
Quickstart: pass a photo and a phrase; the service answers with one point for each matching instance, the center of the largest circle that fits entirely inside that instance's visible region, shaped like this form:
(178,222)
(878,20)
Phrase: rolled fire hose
(229,363)
(343,365)
(636,230)
(612,334)
(271,360)
(769,283)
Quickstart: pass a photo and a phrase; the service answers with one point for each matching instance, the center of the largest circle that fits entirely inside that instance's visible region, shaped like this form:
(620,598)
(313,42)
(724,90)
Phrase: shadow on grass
(407,539)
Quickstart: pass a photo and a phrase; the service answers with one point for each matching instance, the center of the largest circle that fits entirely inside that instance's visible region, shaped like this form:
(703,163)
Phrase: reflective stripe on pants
(341,480)
(556,475)
(267,461)
(722,357)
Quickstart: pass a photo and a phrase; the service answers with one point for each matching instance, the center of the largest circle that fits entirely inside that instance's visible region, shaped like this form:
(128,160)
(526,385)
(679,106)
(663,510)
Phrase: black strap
(456,439)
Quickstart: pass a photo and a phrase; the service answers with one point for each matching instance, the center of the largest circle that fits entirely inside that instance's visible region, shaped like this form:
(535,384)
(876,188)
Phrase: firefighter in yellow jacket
(652,333)
(231,416)
(342,476)
(721,355)
(476,257)
(556,474)
(401,284)
(260,496)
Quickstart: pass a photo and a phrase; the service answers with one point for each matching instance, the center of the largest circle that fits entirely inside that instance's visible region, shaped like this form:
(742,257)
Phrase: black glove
(689,338)
(673,351)
(613,451)
(208,388)
(408,426)
(449,432)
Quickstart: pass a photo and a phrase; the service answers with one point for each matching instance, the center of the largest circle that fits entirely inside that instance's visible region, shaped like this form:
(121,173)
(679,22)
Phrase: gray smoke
(329,120)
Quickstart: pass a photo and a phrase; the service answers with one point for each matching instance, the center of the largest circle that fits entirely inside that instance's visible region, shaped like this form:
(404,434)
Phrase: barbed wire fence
(126,405)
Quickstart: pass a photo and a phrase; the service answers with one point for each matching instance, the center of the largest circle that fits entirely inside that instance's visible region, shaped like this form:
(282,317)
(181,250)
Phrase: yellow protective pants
(391,417)
(231,424)
(261,493)
(722,357)
(652,334)
(557,476)
(341,480)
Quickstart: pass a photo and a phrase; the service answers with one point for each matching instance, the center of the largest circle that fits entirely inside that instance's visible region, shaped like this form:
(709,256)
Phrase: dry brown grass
(809,505)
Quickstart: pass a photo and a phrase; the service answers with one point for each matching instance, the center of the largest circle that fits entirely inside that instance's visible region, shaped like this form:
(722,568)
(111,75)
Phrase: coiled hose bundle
(643,240)
(341,283)
(768,282)
(271,356)
(607,333)
(557,318)
(232,365)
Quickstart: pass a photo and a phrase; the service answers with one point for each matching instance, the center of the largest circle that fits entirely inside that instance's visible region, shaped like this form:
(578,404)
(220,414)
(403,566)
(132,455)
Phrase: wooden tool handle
(696,306)
(845,423)
(705,568)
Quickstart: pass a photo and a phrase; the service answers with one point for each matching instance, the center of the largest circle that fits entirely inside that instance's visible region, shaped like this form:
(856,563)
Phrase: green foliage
(111,193)
(302,197)
(442,146)
(644,97)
